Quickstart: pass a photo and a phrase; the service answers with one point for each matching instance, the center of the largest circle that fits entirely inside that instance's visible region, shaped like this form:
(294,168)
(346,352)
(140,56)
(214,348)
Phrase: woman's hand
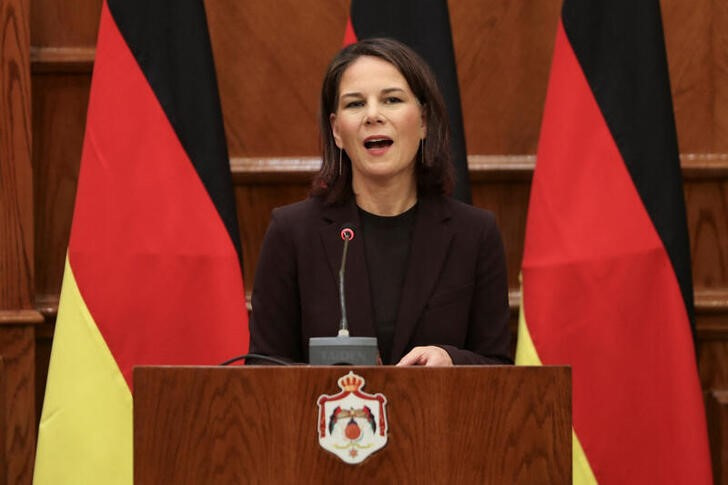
(430,356)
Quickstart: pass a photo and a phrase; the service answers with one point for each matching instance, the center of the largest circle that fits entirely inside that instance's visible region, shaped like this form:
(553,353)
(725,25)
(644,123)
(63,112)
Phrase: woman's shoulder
(473,224)
(464,213)
(301,210)
(299,220)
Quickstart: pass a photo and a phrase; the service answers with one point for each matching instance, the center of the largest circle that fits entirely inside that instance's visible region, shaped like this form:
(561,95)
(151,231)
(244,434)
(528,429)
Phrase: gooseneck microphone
(347,234)
(343,349)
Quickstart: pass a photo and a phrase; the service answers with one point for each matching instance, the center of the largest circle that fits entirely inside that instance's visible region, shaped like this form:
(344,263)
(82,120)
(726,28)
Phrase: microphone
(343,349)
(347,234)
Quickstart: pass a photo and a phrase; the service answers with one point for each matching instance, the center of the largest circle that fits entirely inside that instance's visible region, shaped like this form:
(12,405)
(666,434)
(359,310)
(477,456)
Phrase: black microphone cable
(267,358)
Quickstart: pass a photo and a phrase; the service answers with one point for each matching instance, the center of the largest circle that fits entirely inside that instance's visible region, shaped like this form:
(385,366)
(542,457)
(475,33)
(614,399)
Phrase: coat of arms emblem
(352,424)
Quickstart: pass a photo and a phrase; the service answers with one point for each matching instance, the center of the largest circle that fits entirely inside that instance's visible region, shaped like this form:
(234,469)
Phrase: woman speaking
(425,274)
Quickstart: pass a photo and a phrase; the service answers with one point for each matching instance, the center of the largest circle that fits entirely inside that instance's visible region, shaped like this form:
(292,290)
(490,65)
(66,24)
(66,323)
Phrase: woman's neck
(389,199)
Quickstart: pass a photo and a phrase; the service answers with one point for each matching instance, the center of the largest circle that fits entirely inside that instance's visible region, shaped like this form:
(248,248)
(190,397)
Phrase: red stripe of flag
(349,34)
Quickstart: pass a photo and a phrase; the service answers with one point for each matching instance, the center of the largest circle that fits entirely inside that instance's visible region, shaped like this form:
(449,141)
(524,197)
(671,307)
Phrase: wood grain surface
(59,118)
(16,182)
(17,319)
(259,425)
(17,348)
(56,23)
(503,47)
(3,425)
(62,59)
(271,58)
(717,405)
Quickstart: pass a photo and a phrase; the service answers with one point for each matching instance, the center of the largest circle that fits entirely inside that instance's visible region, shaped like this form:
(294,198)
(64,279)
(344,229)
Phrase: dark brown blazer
(455,293)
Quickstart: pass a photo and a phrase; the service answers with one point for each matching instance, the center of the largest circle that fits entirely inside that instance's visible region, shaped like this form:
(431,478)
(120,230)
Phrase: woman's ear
(335,130)
(423,125)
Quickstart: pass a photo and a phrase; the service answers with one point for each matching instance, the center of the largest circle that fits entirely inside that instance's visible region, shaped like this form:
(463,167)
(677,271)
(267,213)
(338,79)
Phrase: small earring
(340,150)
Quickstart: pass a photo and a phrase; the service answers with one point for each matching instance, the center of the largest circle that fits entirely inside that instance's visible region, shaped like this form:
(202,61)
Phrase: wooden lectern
(209,425)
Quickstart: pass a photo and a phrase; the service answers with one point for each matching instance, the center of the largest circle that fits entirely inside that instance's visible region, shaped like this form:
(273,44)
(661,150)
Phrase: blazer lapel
(430,242)
(356,278)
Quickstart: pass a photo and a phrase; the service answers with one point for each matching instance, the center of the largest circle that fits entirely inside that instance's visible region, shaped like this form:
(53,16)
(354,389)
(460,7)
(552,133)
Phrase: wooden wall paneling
(16,245)
(43,343)
(16,183)
(505,47)
(60,101)
(717,407)
(687,27)
(17,348)
(503,52)
(719,62)
(3,426)
(502,184)
(63,37)
(270,59)
(62,59)
(712,329)
(713,349)
(60,24)
(707,211)
(509,202)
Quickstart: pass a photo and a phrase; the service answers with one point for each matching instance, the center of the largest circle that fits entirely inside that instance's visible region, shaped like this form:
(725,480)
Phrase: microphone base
(343,351)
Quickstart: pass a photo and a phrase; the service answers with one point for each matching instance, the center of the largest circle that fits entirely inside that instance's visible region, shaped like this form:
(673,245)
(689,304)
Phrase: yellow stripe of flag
(87,411)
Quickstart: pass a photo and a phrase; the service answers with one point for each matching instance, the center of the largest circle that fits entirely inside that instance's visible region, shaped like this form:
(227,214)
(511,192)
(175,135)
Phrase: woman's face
(378,121)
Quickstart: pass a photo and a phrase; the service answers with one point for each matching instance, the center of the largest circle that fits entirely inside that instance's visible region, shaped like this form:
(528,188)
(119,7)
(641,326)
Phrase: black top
(387,242)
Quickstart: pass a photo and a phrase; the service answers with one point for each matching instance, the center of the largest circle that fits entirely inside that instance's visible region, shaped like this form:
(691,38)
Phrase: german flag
(606,269)
(153,270)
(423,25)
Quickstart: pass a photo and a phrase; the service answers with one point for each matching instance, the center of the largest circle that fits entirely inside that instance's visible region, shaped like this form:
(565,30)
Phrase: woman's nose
(372,114)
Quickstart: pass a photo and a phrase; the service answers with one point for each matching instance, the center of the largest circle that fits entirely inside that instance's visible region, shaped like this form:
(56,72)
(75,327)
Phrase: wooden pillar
(17,317)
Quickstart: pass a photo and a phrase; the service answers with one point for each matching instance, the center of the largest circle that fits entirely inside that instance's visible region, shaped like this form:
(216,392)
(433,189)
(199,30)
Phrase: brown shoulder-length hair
(433,168)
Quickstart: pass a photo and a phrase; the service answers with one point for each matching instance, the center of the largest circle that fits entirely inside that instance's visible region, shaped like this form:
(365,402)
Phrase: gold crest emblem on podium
(352,424)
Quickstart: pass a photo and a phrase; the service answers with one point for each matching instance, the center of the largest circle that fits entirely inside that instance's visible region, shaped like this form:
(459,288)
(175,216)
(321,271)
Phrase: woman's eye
(392,100)
(354,104)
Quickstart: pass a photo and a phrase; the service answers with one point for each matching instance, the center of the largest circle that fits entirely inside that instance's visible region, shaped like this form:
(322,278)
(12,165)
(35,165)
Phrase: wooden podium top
(479,424)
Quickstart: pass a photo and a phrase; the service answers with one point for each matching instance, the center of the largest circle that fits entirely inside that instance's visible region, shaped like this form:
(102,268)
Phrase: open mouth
(377,143)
